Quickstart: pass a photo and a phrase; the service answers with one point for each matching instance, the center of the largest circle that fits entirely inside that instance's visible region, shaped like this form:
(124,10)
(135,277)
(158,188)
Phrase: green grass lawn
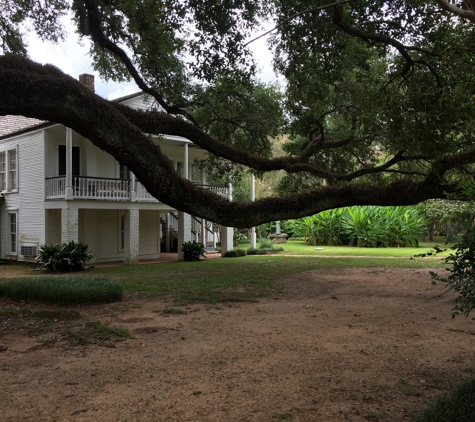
(251,277)
(234,279)
(294,247)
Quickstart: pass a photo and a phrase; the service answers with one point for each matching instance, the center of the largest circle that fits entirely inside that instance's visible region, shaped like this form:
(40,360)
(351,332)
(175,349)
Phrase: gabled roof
(13,124)
(10,125)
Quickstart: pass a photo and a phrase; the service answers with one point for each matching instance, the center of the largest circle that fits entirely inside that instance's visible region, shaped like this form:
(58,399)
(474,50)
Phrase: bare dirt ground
(340,345)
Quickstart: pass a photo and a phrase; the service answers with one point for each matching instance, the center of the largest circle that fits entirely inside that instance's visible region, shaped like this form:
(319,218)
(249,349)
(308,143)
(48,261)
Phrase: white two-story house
(56,186)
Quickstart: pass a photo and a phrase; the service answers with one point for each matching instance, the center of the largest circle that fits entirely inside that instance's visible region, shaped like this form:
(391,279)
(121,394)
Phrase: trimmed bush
(235,253)
(244,241)
(193,250)
(70,256)
(457,406)
(63,289)
(264,251)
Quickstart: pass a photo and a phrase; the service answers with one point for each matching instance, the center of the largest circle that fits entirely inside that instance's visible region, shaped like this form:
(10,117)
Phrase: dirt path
(340,345)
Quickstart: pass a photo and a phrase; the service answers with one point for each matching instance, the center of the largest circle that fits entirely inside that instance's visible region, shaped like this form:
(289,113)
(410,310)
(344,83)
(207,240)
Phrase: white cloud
(72,57)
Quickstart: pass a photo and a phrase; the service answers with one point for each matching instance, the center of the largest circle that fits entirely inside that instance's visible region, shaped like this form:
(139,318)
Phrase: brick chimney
(87,81)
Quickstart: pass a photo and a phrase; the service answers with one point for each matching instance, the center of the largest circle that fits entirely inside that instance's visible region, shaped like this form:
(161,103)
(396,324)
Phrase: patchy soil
(340,345)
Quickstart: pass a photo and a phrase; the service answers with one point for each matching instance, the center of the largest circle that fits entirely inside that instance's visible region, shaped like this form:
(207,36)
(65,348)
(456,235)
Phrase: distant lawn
(297,247)
(235,279)
(251,277)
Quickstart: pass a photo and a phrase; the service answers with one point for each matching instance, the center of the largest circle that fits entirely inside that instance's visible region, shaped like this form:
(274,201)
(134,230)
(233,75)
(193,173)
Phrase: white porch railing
(108,189)
(217,189)
(89,188)
(55,187)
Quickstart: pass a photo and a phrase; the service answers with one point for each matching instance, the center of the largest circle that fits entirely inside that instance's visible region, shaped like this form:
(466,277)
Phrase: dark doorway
(62,161)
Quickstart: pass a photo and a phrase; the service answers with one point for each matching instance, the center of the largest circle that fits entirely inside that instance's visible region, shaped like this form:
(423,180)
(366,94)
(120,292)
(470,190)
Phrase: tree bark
(44,92)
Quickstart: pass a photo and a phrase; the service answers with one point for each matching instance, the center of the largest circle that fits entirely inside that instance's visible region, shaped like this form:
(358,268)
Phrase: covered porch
(127,233)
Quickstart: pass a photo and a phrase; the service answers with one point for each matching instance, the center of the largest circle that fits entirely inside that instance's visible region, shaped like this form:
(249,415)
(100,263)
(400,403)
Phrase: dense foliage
(456,216)
(235,253)
(461,278)
(192,251)
(377,100)
(363,226)
(70,256)
(457,406)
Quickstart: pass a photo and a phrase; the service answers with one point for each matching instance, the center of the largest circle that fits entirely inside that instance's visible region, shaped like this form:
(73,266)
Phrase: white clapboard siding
(29,199)
(106,165)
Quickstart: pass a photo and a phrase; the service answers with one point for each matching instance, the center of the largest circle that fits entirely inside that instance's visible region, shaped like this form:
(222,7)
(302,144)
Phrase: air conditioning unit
(28,250)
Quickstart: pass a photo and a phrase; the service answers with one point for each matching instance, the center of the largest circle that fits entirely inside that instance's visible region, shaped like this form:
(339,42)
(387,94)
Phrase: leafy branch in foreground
(461,278)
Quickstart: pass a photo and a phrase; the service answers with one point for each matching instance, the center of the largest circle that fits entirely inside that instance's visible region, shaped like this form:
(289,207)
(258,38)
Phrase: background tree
(454,215)
(379,96)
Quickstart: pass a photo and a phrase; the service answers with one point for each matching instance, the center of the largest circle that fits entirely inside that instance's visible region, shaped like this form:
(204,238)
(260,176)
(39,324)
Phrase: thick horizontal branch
(44,92)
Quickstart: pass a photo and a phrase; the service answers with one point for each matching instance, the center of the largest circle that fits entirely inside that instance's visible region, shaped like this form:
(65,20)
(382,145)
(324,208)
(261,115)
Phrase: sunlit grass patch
(96,332)
(245,279)
(62,289)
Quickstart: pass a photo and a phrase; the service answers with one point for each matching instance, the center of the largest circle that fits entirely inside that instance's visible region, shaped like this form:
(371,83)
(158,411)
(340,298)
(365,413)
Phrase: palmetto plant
(307,228)
(405,226)
(193,250)
(358,223)
(70,256)
(366,226)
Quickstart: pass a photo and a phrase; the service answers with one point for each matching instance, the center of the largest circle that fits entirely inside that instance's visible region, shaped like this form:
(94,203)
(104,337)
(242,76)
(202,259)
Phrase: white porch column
(185,162)
(69,225)
(167,233)
(184,231)
(226,239)
(253,198)
(69,164)
(132,238)
(203,232)
(133,193)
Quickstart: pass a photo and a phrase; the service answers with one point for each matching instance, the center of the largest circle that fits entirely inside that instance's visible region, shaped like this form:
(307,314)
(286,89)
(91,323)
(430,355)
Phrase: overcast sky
(71,57)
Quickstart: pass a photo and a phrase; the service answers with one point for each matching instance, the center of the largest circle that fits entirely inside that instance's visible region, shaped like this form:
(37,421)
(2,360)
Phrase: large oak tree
(378,103)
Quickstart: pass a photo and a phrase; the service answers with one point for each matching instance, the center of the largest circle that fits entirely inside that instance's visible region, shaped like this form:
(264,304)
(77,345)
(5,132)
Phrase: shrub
(193,250)
(461,278)
(264,251)
(365,226)
(457,406)
(245,241)
(70,256)
(265,243)
(235,253)
(63,289)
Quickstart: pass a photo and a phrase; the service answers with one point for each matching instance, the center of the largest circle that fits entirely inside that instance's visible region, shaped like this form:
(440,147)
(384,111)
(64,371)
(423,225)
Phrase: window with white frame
(12,219)
(3,171)
(12,161)
(9,170)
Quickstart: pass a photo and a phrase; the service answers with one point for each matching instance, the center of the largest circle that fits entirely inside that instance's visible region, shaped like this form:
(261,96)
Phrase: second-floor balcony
(108,189)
